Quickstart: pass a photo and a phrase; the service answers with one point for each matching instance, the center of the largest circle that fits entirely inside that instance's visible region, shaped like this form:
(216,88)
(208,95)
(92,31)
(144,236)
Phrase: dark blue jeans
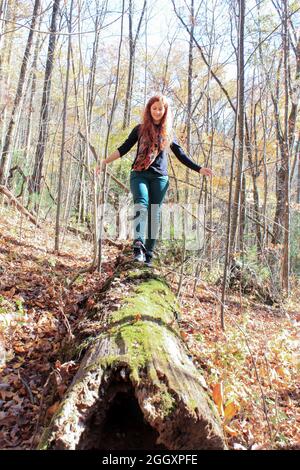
(148,189)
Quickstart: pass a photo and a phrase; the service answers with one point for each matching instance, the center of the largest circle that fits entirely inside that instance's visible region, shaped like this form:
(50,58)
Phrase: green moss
(136,274)
(168,403)
(138,328)
(107,362)
(136,340)
(192,404)
(152,374)
(152,299)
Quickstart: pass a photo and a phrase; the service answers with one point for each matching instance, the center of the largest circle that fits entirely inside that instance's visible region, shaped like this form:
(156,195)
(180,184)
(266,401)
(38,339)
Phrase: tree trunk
(105,181)
(19,92)
(31,106)
(254,174)
(286,140)
(93,65)
(132,49)
(5,63)
(240,159)
(136,379)
(62,152)
(298,177)
(287,127)
(5,12)
(242,217)
(35,183)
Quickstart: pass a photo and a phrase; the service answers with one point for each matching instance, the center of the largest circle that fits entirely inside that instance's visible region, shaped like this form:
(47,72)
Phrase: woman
(149,176)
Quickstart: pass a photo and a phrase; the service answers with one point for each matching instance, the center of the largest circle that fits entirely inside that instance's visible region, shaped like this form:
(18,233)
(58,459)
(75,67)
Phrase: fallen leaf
(184,335)
(230,411)
(5,394)
(20,349)
(53,409)
(61,390)
(17,365)
(230,431)
(90,303)
(10,293)
(218,397)
(281,371)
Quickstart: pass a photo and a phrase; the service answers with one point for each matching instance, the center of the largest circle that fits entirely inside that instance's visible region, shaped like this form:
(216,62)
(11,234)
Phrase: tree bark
(240,159)
(132,49)
(298,182)
(254,174)
(287,128)
(31,105)
(104,184)
(62,151)
(35,183)
(137,365)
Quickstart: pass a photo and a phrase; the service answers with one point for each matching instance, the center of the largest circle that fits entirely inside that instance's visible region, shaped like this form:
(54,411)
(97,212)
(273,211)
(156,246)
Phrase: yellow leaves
(220,181)
(230,411)
(284,373)
(227,412)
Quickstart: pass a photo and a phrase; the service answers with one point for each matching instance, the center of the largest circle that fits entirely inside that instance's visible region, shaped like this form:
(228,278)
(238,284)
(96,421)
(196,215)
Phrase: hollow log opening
(122,424)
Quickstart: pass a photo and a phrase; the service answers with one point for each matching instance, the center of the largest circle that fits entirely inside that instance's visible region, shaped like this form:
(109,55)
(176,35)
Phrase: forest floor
(251,370)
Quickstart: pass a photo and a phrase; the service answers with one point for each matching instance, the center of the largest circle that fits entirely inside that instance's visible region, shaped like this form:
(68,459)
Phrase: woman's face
(157,111)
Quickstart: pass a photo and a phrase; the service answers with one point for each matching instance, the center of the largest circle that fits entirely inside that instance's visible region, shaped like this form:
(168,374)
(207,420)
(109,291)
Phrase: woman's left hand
(205,171)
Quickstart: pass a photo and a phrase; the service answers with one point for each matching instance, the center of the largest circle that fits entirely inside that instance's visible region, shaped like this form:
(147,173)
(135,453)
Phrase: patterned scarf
(147,153)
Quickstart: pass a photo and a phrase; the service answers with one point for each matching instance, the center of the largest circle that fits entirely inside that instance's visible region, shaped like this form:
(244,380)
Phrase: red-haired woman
(149,176)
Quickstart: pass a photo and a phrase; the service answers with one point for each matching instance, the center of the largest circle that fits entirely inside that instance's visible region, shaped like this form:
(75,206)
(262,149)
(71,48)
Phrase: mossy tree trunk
(136,387)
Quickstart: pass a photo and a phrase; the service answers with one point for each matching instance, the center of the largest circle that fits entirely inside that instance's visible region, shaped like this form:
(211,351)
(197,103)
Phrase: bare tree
(35,181)
(62,152)
(19,92)
(241,111)
(132,50)
(286,160)
(105,181)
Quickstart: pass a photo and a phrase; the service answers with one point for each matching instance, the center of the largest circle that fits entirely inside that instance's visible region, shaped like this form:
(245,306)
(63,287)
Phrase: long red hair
(148,128)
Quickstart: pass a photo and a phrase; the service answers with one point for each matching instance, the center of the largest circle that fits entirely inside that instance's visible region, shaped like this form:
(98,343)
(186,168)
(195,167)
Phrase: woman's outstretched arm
(185,160)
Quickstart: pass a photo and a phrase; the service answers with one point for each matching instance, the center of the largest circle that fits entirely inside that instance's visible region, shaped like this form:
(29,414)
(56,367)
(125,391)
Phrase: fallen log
(13,200)
(136,387)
